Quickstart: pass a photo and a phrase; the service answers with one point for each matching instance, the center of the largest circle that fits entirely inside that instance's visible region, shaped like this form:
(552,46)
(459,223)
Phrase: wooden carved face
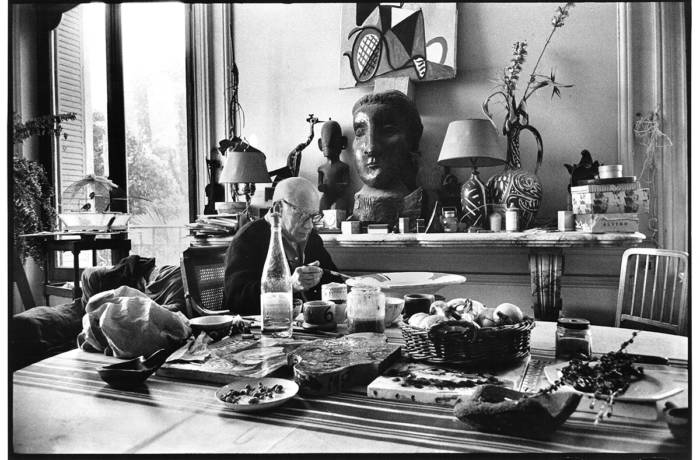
(381,146)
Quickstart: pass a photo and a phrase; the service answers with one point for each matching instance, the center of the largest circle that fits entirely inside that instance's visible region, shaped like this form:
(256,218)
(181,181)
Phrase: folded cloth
(125,322)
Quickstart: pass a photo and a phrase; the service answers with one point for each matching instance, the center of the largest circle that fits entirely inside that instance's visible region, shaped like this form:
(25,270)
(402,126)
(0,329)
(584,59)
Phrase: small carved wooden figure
(334,175)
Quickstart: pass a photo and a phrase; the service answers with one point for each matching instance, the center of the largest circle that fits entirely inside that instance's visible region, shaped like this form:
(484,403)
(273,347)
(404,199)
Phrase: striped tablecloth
(61,405)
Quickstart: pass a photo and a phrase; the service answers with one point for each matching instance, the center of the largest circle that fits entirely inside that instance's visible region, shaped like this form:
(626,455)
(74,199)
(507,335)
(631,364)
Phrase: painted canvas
(397,39)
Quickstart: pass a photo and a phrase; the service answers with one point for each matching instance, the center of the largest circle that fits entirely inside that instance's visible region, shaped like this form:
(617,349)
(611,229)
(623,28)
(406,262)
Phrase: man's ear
(343,142)
(320,145)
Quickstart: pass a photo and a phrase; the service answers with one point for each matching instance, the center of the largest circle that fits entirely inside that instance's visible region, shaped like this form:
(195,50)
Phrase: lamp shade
(471,143)
(244,167)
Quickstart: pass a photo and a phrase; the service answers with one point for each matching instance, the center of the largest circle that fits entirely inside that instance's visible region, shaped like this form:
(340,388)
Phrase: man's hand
(306,276)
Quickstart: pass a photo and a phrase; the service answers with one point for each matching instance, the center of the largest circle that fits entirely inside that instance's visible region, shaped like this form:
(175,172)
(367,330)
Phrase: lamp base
(474,199)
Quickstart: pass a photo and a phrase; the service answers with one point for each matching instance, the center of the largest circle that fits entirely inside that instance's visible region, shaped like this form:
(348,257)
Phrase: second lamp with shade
(243,168)
(472,143)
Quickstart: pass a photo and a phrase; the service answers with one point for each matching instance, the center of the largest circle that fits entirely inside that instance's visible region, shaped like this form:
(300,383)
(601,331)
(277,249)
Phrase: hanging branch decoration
(647,130)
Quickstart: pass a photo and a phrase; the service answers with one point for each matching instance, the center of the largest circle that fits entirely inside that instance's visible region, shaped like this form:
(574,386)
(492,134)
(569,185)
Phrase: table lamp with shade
(243,168)
(472,143)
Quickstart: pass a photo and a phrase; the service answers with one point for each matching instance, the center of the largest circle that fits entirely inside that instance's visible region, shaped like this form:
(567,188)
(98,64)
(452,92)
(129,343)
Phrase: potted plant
(33,193)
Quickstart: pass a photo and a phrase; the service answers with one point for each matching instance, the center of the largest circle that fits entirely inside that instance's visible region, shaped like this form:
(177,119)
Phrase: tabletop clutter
(455,352)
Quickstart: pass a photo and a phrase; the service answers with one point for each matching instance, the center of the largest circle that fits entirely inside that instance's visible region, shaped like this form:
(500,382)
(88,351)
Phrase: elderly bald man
(245,257)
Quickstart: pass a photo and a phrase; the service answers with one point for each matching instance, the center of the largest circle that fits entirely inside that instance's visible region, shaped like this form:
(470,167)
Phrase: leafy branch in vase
(516,112)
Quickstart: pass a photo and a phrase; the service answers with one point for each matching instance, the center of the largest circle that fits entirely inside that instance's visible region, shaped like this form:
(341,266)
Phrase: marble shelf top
(530,238)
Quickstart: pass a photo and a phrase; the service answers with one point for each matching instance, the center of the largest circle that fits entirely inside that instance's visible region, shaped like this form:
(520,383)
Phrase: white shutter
(70,97)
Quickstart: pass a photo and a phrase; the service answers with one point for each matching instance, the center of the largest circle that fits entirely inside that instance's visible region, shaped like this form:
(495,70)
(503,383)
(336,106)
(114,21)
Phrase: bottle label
(276,312)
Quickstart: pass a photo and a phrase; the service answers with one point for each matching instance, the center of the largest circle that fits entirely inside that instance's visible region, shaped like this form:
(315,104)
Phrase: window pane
(156,128)
(80,86)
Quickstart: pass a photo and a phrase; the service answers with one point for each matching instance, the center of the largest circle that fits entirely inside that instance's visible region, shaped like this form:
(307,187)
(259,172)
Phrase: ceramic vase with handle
(516,187)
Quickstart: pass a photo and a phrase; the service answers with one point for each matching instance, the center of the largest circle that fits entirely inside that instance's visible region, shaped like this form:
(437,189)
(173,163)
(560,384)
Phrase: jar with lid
(365,309)
(573,338)
(449,221)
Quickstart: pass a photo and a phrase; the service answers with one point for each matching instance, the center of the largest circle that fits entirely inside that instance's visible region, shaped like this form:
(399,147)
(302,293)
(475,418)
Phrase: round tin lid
(573,323)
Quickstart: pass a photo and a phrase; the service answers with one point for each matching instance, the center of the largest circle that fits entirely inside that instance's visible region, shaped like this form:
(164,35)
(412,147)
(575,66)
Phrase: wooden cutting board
(328,366)
(429,383)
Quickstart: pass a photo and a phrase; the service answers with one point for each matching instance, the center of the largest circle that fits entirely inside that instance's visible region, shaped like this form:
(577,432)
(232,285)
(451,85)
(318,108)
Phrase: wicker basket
(445,343)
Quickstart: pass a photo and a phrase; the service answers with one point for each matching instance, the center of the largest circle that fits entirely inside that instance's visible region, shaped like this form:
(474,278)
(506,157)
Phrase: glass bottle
(365,309)
(276,306)
(573,338)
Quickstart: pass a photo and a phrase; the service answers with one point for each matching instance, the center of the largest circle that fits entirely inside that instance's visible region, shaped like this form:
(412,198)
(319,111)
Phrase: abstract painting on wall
(416,40)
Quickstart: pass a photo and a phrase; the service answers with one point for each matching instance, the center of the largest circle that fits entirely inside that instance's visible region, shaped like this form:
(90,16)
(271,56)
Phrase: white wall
(288,58)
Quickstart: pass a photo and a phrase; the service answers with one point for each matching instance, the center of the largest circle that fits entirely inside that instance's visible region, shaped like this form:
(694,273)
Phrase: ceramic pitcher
(516,187)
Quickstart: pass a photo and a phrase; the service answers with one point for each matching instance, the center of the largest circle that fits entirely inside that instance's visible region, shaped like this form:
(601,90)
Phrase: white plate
(407,282)
(654,386)
(290,390)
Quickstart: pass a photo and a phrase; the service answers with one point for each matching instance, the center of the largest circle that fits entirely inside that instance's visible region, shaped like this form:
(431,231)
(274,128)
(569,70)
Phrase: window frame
(197,19)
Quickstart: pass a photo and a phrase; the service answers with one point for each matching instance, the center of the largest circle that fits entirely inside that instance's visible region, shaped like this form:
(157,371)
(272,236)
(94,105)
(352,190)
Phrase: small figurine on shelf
(294,157)
(214,190)
(584,169)
(334,175)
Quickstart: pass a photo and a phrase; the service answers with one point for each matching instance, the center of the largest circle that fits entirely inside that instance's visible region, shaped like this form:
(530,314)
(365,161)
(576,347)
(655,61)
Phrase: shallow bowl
(678,419)
(134,372)
(216,326)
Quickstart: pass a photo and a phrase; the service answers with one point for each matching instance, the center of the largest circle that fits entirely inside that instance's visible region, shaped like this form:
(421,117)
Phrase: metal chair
(202,271)
(653,290)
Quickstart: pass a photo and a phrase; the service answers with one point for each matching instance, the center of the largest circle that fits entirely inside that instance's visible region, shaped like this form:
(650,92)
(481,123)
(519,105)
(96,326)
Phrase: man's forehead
(377,113)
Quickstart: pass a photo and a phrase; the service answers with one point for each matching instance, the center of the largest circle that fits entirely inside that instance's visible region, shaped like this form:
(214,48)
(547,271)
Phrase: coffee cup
(393,306)
(319,314)
(416,303)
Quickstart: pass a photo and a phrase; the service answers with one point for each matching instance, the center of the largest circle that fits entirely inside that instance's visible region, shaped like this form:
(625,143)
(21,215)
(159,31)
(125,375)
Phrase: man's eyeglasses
(302,216)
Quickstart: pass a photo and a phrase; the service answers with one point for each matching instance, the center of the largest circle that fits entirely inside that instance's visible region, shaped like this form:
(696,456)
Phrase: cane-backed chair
(653,290)
(202,271)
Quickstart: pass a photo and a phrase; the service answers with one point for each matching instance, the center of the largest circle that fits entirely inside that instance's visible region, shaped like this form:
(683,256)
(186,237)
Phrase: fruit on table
(507,313)
(416,318)
(439,308)
(467,310)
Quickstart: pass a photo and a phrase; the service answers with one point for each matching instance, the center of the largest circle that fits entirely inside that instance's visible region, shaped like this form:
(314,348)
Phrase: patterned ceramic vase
(473,200)
(516,187)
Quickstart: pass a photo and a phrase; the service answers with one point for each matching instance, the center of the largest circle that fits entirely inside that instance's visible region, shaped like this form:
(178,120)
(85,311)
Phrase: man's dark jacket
(245,258)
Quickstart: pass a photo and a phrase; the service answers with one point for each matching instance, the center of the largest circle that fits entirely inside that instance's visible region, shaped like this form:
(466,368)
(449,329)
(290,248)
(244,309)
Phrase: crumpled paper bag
(128,323)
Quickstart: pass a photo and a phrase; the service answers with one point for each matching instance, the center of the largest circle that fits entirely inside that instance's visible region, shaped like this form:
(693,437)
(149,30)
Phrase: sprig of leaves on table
(608,378)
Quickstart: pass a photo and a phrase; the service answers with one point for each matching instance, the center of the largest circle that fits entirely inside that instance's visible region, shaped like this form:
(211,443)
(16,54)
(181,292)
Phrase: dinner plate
(654,386)
(290,389)
(407,282)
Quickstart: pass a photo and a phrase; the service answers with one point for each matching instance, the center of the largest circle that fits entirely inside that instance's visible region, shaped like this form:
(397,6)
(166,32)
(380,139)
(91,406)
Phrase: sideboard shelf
(496,264)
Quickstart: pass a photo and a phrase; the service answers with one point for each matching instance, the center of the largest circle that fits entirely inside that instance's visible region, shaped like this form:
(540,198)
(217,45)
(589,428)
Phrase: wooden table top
(60,405)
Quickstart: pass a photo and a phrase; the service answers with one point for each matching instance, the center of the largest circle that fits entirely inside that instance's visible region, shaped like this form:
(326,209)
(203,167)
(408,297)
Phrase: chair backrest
(203,279)
(653,290)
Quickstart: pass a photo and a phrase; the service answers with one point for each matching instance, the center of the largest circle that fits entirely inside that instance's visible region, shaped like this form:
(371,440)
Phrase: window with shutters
(151,64)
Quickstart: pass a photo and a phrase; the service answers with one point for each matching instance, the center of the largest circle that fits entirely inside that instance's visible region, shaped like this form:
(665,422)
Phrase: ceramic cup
(416,303)
(319,313)
(393,306)
(565,220)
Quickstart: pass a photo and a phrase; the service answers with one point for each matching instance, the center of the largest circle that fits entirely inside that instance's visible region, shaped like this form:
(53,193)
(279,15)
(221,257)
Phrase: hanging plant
(648,132)
(33,194)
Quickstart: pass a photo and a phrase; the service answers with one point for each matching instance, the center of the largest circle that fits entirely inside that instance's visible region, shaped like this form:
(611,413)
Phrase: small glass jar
(573,338)
(365,309)
(449,221)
